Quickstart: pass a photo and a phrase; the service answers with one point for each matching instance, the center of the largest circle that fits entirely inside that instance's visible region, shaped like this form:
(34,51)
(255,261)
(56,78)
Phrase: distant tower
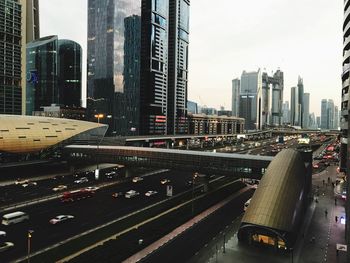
(236,85)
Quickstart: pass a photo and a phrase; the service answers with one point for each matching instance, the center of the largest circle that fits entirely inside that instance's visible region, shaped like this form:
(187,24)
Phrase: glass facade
(10,57)
(113,64)
(70,65)
(42,74)
(53,73)
(178,66)
(154,67)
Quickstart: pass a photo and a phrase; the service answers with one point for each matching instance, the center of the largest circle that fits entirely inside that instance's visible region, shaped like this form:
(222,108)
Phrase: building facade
(294,107)
(192,107)
(300,87)
(324,114)
(113,61)
(286,112)
(250,104)
(344,122)
(200,124)
(306,111)
(54,73)
(236,87)
(179,11)
(154,67)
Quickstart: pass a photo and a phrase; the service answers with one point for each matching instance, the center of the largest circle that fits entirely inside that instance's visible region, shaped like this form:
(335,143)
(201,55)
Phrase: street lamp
(195,175)
(97,171)
(29,237)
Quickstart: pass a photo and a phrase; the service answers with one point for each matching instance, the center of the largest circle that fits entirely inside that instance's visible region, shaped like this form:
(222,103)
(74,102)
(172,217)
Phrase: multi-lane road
(88,213)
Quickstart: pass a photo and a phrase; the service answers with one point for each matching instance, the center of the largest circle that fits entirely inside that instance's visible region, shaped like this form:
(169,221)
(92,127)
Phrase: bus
(76,195)
(14,218)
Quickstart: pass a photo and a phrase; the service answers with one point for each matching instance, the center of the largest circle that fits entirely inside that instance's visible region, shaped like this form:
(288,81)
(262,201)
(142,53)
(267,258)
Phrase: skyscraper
(344,123)
(306,112)
(109,29)
(164,66)
(236,86)
(17,19)
(330,114)
(336,117)
(154,67)
(286,112)
(294,107)
(179,11)
(250,104)
(324,114)
(54,67)
(301,101)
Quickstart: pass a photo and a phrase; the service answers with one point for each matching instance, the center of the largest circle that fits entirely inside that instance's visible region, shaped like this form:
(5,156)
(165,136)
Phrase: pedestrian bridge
(196,161)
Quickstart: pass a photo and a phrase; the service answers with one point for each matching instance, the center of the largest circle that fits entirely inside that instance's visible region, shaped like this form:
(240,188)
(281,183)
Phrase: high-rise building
(250,104)
(344,123)
(312,121)
(318,122)
(179,11)
(272,98)
(54,70)
(330,114)
(192,107)
(286,112)
(154,67)
(306,111)
(294,107)
(301,101)
(336,117)
(236,86)
(113,61)
(18,19)
(324,114)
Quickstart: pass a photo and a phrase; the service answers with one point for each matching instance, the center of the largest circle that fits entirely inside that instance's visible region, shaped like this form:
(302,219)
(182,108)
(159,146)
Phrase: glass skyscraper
(53,73)
(113,62)
(164,66)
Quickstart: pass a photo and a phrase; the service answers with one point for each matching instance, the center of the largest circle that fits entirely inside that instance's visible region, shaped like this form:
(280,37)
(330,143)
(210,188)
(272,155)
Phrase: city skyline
(235,50)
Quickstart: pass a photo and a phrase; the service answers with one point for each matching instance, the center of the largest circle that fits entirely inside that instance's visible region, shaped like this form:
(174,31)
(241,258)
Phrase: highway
(88,213)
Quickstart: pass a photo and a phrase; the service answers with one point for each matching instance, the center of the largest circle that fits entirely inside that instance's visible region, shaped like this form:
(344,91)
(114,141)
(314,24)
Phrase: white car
(29,184)
(59,188)
(21,181)
(131,193)
(150,193)
(137,179)
(2,234)
(92,188)
(5,246)
(60,218)
(164,181)
(81,180)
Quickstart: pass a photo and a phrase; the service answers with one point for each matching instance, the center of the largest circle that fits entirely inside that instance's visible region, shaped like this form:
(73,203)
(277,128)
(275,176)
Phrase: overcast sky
(300,37)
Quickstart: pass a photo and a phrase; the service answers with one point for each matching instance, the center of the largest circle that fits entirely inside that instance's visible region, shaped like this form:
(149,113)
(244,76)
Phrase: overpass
(196,161)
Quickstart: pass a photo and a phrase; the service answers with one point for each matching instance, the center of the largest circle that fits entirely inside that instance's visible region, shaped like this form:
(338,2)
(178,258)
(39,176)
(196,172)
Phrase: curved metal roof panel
(276,202)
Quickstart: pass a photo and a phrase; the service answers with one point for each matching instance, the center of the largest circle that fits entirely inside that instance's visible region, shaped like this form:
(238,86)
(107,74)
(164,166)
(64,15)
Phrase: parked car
(2,234)
(6,246)
(59,188)
(137,179)
(60,219)
(81,180)
(150,193)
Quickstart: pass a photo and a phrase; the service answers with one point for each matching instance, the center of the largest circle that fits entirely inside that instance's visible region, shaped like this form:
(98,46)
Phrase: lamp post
(195,175)
(97,172)
(29,237)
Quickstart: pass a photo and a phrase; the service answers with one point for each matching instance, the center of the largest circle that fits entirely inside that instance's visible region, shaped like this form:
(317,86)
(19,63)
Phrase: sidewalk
(318,224)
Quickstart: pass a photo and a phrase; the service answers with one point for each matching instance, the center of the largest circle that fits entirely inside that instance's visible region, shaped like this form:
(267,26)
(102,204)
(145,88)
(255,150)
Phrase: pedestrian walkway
(321,232)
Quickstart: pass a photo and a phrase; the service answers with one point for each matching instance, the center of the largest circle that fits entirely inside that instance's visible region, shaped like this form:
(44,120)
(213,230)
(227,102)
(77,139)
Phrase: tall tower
(108,26)
(306,113)
(179,11)
(294,107)
(236,86)
(324,114)
(344,123)
(250,105)
(301,100)
(154,67)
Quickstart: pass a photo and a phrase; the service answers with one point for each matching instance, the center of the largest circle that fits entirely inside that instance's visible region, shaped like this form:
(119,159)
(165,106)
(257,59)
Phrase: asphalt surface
(88,213)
